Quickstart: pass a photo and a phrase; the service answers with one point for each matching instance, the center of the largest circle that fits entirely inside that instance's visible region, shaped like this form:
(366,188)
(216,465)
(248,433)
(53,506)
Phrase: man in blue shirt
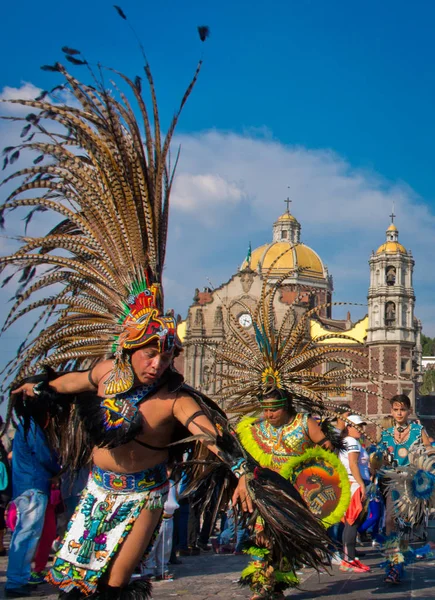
(33,467)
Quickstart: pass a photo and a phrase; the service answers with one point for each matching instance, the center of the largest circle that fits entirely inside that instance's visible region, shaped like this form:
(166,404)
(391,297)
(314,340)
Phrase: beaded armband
(240,468)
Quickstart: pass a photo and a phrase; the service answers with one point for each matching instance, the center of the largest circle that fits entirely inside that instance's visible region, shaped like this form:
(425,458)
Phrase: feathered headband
(97,275)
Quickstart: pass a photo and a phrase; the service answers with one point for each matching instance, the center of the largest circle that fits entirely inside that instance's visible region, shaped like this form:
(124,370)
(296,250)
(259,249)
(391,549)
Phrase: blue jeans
(230,532)
(31,507)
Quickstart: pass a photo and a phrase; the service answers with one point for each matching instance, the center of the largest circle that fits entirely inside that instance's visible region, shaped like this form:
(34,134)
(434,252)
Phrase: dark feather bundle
(333,435)
(203,32)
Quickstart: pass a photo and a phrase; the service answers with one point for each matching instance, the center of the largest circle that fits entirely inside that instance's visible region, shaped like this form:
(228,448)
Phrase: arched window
(390,275)
(390,314)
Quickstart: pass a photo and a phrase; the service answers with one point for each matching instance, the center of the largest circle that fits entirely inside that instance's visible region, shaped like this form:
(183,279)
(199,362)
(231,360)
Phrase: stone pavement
(214,577)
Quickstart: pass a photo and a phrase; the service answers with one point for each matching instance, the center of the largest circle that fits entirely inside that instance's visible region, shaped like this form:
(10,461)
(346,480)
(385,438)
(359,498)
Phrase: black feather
(70,51)
(8,149)
(25,274)
(120,12)
(38,159)
(54,68)
(25,130)
(6,280)
(5,162)
(41,96)
(14,157)
(138,83)
(75,61)
(204,32)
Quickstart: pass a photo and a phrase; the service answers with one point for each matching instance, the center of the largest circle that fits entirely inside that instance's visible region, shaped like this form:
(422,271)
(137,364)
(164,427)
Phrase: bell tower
(391,333)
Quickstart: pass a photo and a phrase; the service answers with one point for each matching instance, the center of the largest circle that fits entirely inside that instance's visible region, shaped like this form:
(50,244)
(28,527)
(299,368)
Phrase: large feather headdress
(279,359)
(97,275)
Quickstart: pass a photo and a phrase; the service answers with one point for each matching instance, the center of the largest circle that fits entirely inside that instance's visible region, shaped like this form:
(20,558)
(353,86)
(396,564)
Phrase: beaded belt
(124,483)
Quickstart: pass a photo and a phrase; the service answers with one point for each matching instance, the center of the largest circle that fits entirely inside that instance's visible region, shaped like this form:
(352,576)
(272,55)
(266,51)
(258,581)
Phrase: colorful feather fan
(412,487)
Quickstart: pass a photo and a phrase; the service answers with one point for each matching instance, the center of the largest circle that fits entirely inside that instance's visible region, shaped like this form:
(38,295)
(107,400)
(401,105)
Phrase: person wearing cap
(356,461)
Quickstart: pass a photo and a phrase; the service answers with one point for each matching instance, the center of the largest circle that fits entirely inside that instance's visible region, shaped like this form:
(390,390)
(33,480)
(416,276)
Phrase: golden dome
(391,248)
(392,227)
(286,217)
(298,255)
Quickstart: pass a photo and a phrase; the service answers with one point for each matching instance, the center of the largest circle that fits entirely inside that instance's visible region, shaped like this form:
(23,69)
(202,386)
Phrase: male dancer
(397,442)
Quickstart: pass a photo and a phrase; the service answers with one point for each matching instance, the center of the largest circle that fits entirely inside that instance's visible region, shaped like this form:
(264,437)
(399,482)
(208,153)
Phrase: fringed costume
(409,485)
(107,510)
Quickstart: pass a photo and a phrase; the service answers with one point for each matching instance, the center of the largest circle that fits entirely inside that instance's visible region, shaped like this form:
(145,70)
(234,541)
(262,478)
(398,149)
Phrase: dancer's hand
(241,494)
(26,389)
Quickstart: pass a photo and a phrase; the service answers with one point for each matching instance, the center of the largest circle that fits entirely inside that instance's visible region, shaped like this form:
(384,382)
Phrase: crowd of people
(36,512)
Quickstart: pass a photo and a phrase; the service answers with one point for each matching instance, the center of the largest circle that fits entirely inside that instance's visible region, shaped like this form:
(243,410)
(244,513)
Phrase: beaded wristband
(240,468)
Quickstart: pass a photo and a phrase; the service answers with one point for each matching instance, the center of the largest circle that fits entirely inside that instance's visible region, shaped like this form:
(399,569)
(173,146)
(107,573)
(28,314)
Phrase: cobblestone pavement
(214,577)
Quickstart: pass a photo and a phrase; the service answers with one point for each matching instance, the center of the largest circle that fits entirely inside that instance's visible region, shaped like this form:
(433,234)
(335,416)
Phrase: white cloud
(192,191)
(27,91)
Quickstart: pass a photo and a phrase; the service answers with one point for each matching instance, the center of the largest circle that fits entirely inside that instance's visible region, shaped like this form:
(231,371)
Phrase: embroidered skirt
(108,508)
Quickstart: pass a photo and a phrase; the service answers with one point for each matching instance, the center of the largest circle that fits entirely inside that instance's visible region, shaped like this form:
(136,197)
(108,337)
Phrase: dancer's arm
(72,383)
(189,413)
(316,434)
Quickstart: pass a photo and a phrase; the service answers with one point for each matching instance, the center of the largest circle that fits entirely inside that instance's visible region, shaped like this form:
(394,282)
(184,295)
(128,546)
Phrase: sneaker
(350,567)
(37,577)
(336,558)
(361,565)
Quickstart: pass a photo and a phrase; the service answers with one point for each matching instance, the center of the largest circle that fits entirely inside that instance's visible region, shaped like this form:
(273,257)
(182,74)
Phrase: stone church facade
(389,335)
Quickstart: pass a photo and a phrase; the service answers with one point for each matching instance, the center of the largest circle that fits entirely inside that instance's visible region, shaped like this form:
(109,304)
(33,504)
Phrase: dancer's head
(150,362)
(277,407)
(400,408)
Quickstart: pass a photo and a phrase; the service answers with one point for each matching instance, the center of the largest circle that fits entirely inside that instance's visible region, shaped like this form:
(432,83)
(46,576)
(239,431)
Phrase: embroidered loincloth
(108,508)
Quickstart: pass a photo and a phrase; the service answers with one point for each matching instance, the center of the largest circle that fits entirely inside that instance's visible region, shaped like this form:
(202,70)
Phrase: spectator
(356,461)
(33,467)
(231,533)
(5,491)
(156,564)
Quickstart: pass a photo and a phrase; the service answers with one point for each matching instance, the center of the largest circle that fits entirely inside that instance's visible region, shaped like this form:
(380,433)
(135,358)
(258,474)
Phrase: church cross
(288,201)
(392,214)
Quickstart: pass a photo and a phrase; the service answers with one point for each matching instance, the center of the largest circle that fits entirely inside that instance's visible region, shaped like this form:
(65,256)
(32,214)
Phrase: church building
(389,334)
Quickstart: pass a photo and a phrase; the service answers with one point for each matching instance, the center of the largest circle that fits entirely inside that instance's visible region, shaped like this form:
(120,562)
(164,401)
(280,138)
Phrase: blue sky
(334,99)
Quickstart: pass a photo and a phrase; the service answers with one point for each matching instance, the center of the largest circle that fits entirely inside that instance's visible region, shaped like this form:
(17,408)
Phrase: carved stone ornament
(218,317)
(199,318)
(247,279)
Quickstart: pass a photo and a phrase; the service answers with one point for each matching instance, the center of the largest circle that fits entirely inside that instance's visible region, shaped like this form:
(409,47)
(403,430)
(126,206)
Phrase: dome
(286,217)
(297,255)
(392,227)
(391,248)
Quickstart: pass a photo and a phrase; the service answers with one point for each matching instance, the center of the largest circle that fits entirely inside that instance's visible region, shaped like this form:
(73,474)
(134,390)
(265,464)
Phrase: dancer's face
(400,413)
(149,364)
(277,416)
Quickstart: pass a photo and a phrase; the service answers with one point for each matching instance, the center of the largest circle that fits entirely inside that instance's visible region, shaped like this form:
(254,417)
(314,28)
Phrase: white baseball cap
(356,419)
